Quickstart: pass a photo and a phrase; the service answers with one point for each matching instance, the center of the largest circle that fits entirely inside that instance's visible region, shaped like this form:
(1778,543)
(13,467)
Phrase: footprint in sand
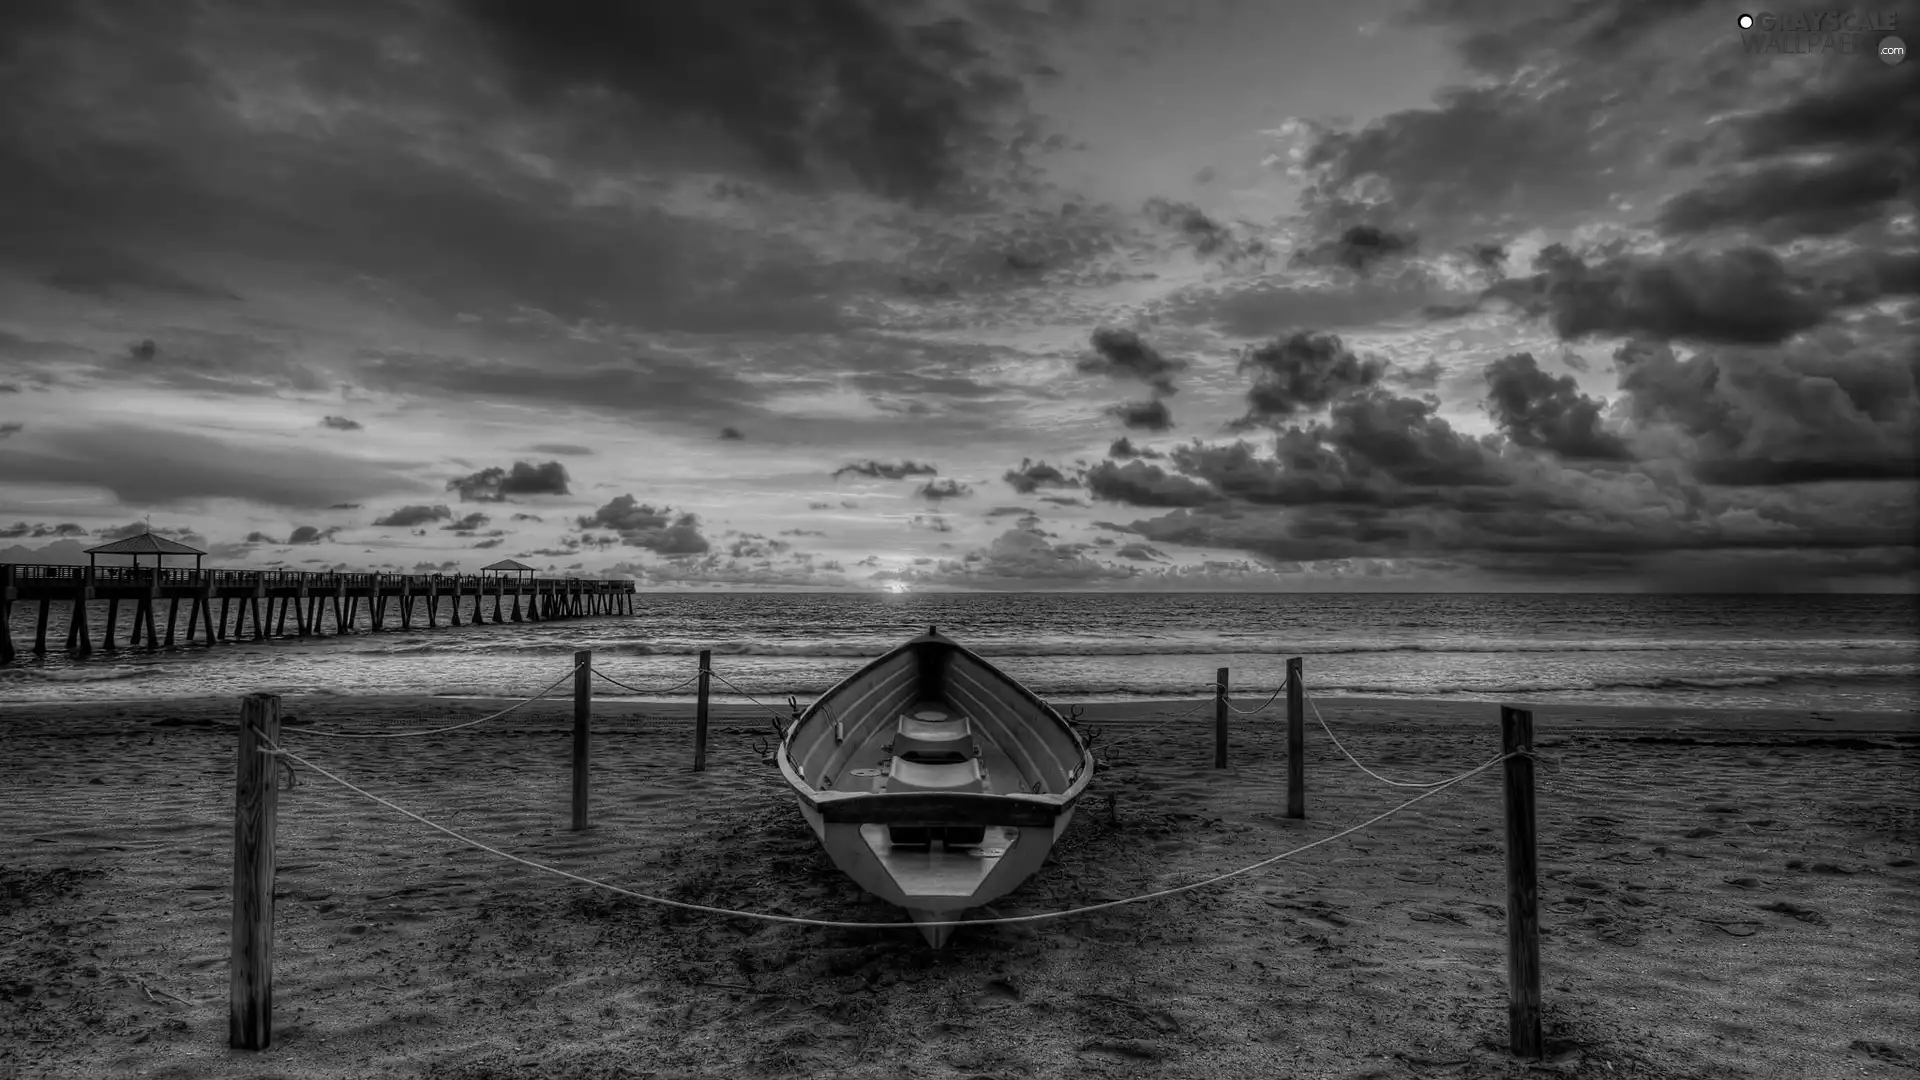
(1789,908)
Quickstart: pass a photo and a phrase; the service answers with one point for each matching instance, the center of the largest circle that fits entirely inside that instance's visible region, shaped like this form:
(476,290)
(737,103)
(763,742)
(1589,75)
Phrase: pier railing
(302,594)
(26,574)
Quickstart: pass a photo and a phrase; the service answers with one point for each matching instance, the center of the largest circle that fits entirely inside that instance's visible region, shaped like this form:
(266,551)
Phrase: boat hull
(937,886)
(934,781)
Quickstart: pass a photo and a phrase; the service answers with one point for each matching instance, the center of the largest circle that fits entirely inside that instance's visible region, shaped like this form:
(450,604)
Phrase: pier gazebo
(144,544)
(507,566)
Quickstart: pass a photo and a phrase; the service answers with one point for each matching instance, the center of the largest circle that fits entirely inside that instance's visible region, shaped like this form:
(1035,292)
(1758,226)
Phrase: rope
(797,920)
(1355,760)
(637,690)
(1250,712)
(454,727)
(749,697)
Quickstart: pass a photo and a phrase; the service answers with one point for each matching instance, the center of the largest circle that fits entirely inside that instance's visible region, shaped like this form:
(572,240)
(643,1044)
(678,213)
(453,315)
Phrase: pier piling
(240,592)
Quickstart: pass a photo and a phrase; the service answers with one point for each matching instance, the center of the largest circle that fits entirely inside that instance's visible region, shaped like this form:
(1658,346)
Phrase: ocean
(1801,652)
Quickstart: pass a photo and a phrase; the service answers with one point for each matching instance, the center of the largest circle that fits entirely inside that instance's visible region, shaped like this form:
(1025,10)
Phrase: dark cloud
(1122,354)
(1794,198)
(143,351)
(39,531)
(311,534)
(157,466)
(496,484)
(135,528)
(527,517)
(930,522)
(1023,555)
(1301,372)
(1208,237)
(1488,256)
(881,470)
(1033,475)
(1550,131)
(406,517)
(1062,500)
(1835,153)
(258,537)
(1828,410)
(1538,411)
(562,449)
(1425,377)
(340,423)
(1744,295)
(1123,449)
(1008,511)
(493,542)
(731,433)
(1142,552)
(1358,248)
(1375,449)
(1139,484)
(468,525)
(840,86)
(1149,415)
(642,525)
(344,506)
(938,490)
(13,427)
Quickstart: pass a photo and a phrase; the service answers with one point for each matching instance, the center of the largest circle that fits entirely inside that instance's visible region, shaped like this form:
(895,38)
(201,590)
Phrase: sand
(1722,895)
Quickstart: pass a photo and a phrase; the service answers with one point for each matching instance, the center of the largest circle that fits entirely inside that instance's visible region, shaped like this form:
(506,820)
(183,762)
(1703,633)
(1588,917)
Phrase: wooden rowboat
(935,781)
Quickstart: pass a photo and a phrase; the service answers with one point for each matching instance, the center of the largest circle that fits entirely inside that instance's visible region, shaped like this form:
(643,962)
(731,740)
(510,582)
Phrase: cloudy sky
(1095,294)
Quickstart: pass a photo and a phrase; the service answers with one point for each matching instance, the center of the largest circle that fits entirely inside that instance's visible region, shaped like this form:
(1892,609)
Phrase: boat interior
(931,717)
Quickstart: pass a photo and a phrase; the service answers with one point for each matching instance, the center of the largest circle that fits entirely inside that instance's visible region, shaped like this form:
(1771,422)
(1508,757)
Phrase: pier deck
(305,595)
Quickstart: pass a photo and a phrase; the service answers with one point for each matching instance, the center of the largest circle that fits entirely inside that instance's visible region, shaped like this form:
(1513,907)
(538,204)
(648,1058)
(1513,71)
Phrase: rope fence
(262,755)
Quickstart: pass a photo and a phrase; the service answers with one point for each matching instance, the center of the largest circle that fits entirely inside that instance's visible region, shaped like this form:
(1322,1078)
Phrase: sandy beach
(1723,894)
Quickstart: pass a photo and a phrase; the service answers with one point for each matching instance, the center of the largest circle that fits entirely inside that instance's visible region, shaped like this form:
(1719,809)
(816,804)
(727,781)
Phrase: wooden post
(6,615)
(1523,890)
(256,803)
(113,620)
(1220,719)
(223,621)
(153,639)
(173,616)
(139,609)
(1296,742)
(206,615)
(40,628)
(700,712)
(582,712)
(76,619)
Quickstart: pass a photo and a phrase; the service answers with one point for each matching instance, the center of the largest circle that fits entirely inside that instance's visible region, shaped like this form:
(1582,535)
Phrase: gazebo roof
(507,564)
(145,544)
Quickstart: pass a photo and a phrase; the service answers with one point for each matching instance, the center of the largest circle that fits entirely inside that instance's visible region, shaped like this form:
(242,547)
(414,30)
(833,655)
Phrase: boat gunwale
(845,806)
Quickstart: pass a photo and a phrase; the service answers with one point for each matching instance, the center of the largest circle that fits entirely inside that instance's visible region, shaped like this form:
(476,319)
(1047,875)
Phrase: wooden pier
(305,596)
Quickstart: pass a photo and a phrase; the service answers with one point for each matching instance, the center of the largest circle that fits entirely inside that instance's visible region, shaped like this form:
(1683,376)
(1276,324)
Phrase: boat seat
(905,775)
(933,729)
